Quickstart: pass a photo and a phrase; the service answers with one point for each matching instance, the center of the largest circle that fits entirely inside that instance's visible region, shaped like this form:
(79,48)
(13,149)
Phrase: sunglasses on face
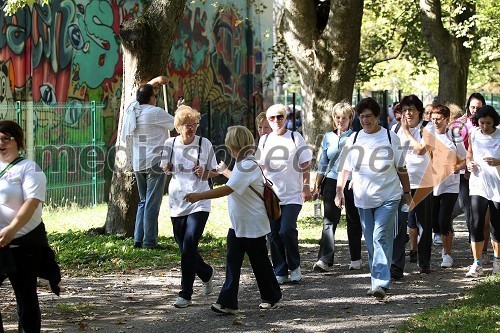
(279,117)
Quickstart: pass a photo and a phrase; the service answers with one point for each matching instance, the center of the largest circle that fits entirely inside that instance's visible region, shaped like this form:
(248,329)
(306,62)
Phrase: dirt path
(329,302)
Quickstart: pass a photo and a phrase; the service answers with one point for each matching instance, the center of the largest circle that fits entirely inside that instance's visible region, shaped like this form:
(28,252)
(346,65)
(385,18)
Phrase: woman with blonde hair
(249,224)
(325,185)
(191,161)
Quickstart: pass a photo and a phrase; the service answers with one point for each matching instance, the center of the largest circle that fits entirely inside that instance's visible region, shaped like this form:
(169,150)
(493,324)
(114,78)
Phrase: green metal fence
(66,141)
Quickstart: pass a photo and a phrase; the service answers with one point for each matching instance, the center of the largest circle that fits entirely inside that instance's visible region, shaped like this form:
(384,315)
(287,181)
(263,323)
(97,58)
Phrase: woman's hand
(491,161)
(471,166)
(315,193)
(7,234)
(339,199)
(193,197)
(198,171)
(306,193)
(221,167)
(167,168)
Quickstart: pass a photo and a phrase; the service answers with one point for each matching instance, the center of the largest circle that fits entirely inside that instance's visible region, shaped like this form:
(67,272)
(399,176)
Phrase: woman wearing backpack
(373,157)
(191,161)
(249,224)
(325,185)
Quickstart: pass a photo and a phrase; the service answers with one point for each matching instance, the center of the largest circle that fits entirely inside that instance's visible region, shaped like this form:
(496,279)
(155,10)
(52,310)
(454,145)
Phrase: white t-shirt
(183,180)
(281,157)
(153,124)
(246,210)
(444,158)
(373,163)
(419,166)
(485,181)
(23,181)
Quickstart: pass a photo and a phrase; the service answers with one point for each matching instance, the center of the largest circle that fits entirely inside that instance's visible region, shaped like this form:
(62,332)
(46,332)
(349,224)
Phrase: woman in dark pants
(24,250)
(333,142)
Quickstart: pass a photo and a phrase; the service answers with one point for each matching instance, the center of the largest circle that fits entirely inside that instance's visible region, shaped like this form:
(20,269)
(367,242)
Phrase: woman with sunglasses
(325,185)
(24,249)
(285,159)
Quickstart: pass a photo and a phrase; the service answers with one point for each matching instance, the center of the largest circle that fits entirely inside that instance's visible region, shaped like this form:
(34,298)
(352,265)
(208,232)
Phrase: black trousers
(331,219)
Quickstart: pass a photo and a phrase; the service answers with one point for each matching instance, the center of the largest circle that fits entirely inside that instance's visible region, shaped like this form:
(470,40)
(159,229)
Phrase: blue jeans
(150,184)
(378,228)
(256,250)
(187,233)
(284,240)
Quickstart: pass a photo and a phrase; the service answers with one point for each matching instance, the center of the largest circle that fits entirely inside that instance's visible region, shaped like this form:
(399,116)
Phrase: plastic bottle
(317,209)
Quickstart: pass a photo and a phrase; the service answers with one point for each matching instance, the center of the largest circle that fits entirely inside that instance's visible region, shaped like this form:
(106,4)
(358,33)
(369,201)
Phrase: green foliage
(12,6)
(479,311)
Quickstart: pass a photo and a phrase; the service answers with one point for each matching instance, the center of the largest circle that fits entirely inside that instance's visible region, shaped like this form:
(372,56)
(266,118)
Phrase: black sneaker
(425,270)
(137,245)
(413,256)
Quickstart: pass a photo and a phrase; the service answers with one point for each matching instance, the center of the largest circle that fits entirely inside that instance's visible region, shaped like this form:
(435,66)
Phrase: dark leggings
(331,219)
(442,209)
(479,205)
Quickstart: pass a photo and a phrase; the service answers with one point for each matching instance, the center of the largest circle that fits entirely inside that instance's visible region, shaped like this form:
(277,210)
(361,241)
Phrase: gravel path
(330,302)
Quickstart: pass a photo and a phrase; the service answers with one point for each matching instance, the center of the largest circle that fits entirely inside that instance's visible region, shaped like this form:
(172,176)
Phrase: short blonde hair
(455,111)
(276,109)
(240,140)
(343,108)
(185,114)
(260,117)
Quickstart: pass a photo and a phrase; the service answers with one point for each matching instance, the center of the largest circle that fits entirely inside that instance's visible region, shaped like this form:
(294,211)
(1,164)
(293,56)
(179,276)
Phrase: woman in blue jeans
(191,161)
(373,157)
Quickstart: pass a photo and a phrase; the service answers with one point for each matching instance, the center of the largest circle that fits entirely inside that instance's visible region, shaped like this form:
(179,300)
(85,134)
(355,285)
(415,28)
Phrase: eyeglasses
(7,139)
(410,110)
(273,118)
(190,126)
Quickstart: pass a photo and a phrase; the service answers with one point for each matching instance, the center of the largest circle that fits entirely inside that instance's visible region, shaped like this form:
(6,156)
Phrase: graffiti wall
(69,52)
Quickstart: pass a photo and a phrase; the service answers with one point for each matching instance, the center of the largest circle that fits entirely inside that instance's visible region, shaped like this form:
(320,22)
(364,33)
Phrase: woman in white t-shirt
(448,159)
(374,158)
(191,161)
(483,162)
(249,224)
(285,159)
(24,249)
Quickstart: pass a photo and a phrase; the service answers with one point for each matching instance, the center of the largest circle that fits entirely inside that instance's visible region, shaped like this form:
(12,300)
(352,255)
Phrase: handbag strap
(267,181)
(10,165)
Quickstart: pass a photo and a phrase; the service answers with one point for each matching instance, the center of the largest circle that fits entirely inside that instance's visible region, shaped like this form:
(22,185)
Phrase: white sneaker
(355,265)
(295,275)
(216,307)
(447,261)
(496,266)
(182,303)
(282,279)
(437,240)
(208,286)
(321,266)
(475,270)
(268,305)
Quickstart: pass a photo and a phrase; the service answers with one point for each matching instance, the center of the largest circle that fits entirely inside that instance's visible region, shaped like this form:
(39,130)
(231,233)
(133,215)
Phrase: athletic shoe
(437,240)
(413,256)
(475,270)
(425,270)
(321,266)
(182,303)
(379,293)
(369,292)
(208,286)
(137,245)
(216,307)
(355,265)
(447,261)
(496,266)
(295,275)
(282,279)
(268,305)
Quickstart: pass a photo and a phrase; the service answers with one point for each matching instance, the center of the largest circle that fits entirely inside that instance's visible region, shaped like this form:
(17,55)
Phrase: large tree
(323,39)
(449,39)
(146,43)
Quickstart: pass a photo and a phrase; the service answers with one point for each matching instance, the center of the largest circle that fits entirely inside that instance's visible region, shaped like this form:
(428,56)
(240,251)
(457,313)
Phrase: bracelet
(306,184)
(408,192)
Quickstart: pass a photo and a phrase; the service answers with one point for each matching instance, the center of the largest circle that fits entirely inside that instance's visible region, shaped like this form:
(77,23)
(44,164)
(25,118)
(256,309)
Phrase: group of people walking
(395,185)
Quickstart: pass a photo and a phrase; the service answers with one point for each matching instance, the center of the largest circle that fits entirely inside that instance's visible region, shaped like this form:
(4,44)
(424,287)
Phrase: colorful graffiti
(68,53)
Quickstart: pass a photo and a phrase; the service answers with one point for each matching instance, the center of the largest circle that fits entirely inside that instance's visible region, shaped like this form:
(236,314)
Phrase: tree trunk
(324,40)
(146,43)
(452,56)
